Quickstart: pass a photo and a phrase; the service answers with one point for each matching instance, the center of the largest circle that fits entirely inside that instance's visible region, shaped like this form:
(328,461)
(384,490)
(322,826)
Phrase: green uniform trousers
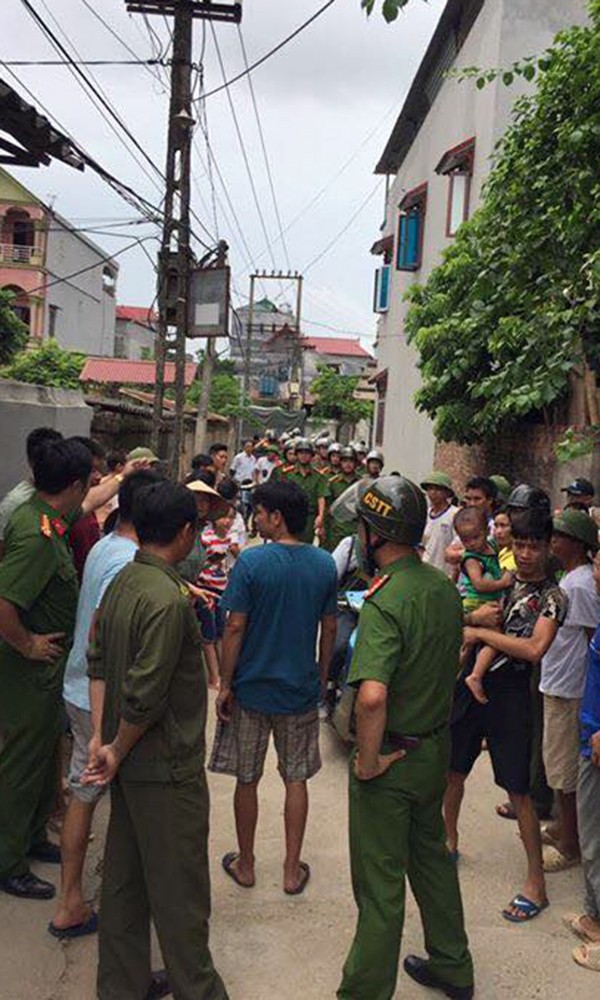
(156,866)
(396,829)
(29,742)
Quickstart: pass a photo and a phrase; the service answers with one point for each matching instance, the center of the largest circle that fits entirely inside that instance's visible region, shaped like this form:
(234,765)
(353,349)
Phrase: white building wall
(505,30)
(85,317)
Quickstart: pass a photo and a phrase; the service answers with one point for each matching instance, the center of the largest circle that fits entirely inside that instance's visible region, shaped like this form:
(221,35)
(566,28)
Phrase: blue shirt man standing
(281,599)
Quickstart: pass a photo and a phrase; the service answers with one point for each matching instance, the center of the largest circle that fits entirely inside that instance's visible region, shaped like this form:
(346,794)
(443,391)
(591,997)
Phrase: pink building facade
(23,239)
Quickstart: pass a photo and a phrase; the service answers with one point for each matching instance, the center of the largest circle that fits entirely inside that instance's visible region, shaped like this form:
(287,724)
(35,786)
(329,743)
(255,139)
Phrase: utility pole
(175,258)
(208,365)
(296,366)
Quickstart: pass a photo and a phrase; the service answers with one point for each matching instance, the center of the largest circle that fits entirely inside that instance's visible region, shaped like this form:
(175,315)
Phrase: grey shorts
(240,746)
(81,730)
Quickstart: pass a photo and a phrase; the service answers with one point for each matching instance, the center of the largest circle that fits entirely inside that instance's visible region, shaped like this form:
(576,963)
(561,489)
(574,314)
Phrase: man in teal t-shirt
(278,597)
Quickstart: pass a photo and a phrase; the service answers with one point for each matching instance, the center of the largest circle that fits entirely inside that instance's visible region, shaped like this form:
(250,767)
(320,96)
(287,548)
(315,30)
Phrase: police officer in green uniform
(148,693)
(334,529)
(312,483)
(38,602)
(404,667)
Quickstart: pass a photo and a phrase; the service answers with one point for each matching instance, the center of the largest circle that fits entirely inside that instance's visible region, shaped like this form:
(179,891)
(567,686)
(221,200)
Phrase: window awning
(458,159)
(383,246)
(414,197)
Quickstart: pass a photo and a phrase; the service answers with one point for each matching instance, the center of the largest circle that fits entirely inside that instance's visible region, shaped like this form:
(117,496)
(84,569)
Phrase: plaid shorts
(241,745)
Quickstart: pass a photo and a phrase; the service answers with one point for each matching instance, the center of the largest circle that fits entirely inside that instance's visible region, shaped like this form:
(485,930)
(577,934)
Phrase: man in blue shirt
(73,917)
(587,926)
(278,597)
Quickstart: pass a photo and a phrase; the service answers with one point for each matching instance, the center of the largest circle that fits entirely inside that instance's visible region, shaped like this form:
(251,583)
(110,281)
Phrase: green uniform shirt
(147,650)
(409,638)
(312,483)
(334,531)
(38,577)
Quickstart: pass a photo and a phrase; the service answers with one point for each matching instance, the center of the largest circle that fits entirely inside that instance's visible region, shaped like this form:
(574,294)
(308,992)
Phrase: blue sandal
(527,907)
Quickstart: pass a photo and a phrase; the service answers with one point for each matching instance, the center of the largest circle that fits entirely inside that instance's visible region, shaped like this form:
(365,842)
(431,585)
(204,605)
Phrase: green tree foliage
(335,397)
(389,8)
(514,309)
(13,333)
(225,395)
(47,364)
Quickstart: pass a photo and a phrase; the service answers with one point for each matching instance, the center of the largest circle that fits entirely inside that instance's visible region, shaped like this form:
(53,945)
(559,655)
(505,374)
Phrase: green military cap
(438,479)
(138,453)
(502,485)
(577,524)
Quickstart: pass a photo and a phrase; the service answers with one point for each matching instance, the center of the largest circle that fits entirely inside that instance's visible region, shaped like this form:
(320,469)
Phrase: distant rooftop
(118,371)
(142,315)
(348,347)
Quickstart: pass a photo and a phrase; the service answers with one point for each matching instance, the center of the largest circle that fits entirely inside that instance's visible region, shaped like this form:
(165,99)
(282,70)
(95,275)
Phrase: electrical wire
(345,228)
(264,149)
(116,35)
(90,87)
(243,148)
(90,267)
(271,52)
(87,62)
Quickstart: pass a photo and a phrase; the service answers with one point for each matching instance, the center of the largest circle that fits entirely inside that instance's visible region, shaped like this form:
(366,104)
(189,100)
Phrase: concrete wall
(504,31)
(86,310)
(23,407)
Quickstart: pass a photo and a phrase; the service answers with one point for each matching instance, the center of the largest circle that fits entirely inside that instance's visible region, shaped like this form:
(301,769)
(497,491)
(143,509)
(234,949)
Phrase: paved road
(268,946)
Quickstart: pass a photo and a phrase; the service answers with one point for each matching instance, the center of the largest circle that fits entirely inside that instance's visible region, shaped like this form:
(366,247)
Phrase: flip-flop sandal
(506,811)
(547,838)
(555,861)
(89,926)
(228,861)
(588,956)
(572,922)
(528,908)
(304,877)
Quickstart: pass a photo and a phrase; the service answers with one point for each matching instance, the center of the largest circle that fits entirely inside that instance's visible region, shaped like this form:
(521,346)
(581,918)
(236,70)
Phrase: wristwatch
(120,478)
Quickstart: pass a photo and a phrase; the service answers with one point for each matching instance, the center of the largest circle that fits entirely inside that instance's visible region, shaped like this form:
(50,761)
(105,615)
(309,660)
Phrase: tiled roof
(348,347)
(119,371)
(137,314)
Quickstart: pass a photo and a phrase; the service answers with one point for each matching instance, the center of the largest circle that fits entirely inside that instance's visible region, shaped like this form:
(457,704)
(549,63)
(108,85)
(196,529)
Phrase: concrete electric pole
(175,257)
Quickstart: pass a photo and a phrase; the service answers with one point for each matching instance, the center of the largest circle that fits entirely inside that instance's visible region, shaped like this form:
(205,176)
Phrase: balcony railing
(13,253)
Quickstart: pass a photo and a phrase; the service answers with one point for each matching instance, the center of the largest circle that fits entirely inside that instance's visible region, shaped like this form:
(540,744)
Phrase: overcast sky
(331,96)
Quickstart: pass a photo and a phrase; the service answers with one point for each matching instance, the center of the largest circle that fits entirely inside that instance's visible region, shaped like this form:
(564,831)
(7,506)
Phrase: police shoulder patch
(378,583)
(288,468)
(45,527)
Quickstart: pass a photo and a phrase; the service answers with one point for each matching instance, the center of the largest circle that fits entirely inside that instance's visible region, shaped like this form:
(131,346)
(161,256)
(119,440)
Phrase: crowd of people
(124,596)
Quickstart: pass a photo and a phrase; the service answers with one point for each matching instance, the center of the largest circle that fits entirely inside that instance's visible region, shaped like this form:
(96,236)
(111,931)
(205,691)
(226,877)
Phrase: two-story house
(134,332)
(436,160)
(64,285)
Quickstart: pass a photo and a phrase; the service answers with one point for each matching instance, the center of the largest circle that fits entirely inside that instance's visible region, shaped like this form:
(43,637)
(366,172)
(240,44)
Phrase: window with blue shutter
(410,229)
(381,300)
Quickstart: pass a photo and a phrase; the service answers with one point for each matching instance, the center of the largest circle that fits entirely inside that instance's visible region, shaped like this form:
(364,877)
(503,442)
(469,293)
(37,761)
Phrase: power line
(87,62)
(271,52)
(116,35)
(352,218)
(242,146)
(264,149)
(91,267)
(89,86)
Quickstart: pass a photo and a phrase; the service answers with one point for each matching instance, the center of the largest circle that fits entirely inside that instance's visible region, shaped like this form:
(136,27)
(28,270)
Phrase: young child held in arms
(480,579)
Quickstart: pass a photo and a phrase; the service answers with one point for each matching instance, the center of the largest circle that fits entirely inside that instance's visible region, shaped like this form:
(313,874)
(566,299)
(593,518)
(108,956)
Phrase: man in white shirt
(562,682)
(439,530)
(244,464)
(266,463)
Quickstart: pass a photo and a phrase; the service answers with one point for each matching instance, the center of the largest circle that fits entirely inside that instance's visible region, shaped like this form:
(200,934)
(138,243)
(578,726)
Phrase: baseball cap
(580,487)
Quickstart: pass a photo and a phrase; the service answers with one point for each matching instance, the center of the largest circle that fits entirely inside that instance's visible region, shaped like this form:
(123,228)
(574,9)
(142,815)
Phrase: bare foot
(241,873)
(475,686)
